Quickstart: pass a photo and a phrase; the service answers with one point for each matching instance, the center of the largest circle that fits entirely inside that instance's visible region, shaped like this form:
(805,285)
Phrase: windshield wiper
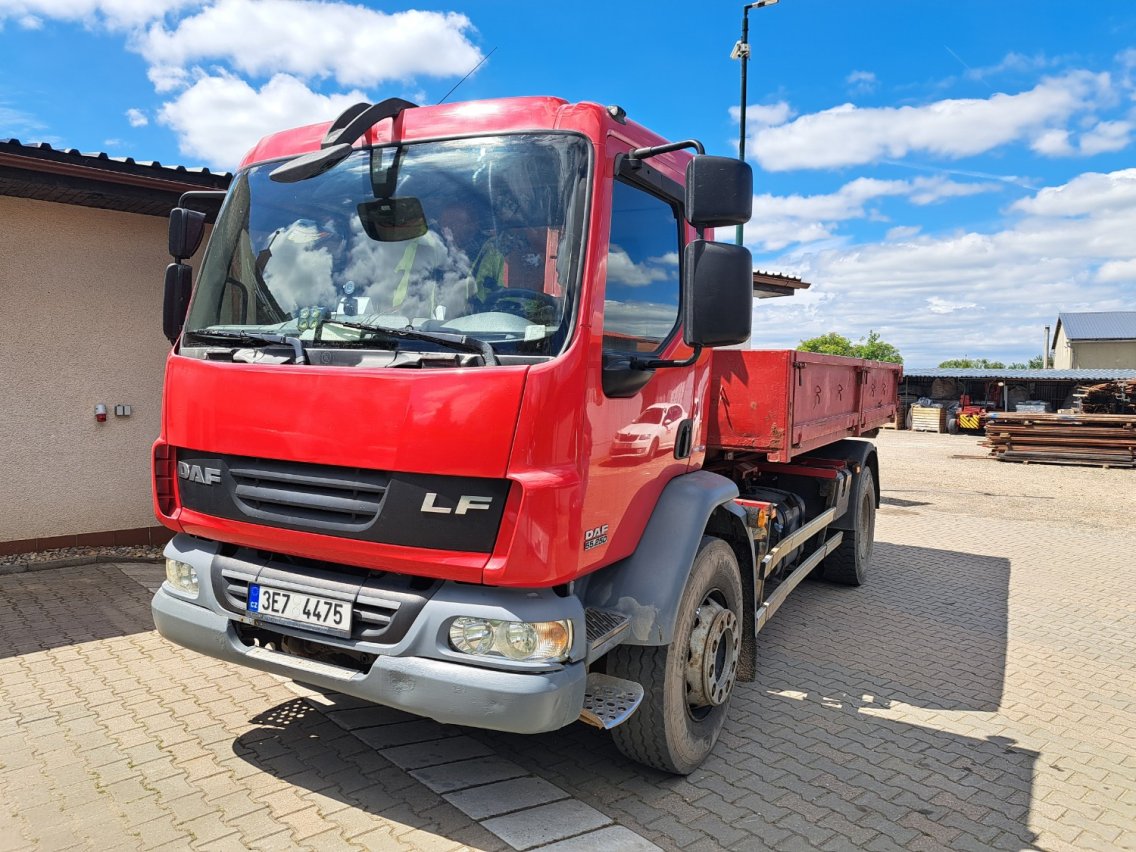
(300,357)
(460,342)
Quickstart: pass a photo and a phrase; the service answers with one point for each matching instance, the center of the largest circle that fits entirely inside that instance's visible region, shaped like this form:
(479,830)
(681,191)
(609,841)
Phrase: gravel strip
(64,557)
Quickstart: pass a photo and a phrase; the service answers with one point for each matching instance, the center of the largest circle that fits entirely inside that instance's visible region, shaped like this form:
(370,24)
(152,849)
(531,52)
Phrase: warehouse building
(1097,340)
(1005,389)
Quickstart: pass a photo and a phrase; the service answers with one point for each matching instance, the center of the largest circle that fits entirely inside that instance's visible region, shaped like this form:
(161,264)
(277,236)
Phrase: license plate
(297,607)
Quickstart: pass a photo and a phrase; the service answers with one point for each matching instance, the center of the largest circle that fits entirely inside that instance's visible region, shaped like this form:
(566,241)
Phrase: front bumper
(631,448)
(419,674)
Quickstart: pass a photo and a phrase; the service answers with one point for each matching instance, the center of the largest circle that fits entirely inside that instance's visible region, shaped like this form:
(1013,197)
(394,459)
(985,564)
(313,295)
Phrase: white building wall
(80,324)
(1093,354)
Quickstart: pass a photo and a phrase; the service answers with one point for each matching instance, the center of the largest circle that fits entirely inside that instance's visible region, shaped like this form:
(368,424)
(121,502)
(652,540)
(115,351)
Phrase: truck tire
(848,564)
(687,684)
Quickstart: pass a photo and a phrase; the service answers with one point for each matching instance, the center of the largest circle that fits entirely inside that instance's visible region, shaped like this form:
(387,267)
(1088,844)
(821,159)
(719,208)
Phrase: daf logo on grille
(197,473)
(466,503)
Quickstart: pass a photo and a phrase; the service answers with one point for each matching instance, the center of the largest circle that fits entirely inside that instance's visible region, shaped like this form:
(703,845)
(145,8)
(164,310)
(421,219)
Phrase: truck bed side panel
(784,402)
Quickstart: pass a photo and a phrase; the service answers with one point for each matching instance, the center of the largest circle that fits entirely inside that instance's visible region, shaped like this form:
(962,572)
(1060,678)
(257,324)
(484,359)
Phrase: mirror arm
(645,153)
(203,194)
(660,364)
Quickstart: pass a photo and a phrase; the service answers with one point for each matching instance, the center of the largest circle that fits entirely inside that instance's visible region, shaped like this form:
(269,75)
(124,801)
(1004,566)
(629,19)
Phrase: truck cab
(399,404)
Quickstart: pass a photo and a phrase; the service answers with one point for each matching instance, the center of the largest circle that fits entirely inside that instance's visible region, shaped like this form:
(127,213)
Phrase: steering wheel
(530,304)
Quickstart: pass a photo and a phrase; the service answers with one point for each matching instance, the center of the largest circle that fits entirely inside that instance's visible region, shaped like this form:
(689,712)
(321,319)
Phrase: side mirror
(719,192)
(186,229)
(179,284)
(717,294)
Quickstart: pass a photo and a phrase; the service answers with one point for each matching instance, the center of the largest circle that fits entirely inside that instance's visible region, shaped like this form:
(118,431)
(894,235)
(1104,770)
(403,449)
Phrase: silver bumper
(420,674)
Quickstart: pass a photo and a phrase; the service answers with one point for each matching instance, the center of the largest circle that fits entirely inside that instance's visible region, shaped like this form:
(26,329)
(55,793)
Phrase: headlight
(540,641)
(181,576)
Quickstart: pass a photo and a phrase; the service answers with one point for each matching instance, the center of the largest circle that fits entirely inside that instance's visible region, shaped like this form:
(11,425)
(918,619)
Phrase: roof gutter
(37,164)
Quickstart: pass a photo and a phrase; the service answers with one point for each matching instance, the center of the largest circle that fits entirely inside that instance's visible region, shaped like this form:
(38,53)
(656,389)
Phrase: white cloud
(1068,248)
(780,221)
(902,232)
(219,118)
(1105,137)
(1118,270)
(1091,193)
(355,45)
(264,60)
(648,320)
(168,78)
(861,82)
(1013,63)
(621,269)
(15,123)
(937,305)
(848,135)
(114,14)
(1053,143)
(768,115)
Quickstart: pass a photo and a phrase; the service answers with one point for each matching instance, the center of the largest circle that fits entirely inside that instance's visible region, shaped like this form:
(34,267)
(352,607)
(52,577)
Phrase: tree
(828,344)
(872,347)
(875,349)
(971,364)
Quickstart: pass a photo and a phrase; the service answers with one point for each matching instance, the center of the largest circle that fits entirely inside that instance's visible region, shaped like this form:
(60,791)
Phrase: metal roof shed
(1097,339)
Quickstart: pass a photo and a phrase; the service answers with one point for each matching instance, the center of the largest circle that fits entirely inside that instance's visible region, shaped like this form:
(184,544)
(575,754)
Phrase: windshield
(651,415)
(478,237)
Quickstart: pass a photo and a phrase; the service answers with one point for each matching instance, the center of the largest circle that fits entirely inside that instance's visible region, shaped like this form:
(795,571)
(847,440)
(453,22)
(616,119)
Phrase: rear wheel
(688,683)
(848,564)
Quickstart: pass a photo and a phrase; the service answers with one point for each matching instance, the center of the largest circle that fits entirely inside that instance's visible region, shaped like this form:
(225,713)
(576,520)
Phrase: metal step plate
(609,701)
(605,630)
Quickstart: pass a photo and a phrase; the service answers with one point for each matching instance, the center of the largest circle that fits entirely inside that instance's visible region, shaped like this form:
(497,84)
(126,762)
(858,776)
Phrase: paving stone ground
(978,693)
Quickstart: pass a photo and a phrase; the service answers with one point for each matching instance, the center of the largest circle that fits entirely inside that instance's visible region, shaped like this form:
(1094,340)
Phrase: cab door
(634,424)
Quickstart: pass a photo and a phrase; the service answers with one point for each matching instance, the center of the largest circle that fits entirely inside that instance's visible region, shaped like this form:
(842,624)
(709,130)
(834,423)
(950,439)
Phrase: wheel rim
(866,533)
(712,661)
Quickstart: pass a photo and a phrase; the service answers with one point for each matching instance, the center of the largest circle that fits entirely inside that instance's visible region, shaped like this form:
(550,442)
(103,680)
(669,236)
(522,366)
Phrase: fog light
(540,641)
(182,576)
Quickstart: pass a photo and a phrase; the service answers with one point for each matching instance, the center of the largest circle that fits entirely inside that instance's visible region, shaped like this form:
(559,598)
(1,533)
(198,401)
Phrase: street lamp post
(741,51)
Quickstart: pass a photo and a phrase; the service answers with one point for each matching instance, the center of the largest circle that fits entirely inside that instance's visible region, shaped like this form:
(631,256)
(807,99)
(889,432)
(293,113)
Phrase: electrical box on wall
(123,411)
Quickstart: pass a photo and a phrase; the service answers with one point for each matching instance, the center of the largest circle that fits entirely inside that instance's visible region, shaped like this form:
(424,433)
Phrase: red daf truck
(449,426)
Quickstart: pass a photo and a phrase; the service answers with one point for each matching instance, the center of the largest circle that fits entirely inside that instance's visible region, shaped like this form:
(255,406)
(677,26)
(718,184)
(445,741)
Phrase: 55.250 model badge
(595,537)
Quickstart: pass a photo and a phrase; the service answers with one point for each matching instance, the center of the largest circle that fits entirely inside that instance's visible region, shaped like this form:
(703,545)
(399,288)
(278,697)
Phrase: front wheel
(687,684)
(848,564)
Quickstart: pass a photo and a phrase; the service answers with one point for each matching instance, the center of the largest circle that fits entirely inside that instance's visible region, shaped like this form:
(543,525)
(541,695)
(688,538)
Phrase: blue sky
(951,174)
